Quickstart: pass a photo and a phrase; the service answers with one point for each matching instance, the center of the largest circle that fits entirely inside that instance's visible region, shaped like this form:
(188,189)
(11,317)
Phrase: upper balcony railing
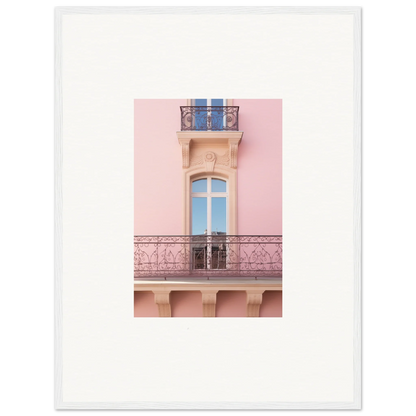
(208,256)
(212,118)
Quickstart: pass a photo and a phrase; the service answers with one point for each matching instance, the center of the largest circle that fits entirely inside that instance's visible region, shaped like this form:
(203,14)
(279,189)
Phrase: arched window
(209,199)
(209,206)
(219,184)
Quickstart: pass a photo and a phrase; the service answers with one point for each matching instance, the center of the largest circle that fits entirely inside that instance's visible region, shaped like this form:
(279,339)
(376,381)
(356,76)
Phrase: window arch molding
(224,173)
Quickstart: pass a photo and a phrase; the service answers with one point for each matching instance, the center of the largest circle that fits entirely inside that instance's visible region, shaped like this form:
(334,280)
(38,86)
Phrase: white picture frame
(95,344)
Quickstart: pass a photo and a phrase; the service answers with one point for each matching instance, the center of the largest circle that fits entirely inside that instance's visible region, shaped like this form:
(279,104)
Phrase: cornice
(184,285)
(210,136)
(231,139)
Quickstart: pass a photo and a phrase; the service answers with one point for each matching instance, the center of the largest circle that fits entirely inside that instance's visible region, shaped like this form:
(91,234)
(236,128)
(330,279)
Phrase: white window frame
(209,195)
(224,173)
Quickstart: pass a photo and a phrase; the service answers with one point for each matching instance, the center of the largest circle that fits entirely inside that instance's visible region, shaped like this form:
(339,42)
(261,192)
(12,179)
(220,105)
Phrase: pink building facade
(208,208)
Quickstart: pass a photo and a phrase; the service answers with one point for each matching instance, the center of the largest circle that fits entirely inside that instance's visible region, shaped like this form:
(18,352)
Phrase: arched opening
(209,206)
(209,222)
(216,185)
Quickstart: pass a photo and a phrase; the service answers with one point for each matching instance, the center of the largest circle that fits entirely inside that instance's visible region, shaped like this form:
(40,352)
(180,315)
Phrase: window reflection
(199,186)
(218,185)
(199,216)
(219,217)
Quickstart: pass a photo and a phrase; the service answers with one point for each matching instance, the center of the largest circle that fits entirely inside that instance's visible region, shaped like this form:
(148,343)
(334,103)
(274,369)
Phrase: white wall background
(107,57)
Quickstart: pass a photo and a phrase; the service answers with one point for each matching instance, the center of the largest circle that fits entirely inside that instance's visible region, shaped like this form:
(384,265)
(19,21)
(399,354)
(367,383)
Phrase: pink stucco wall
(271,305)
(231,304)
(186,304)
(144,304)
(260,167)
(158,167)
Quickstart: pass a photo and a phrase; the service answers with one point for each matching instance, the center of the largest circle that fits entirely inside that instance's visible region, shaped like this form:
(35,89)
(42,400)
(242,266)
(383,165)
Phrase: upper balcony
(211,118)
(208,256)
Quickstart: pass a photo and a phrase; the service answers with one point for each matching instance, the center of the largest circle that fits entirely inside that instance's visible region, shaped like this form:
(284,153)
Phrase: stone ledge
(170,285)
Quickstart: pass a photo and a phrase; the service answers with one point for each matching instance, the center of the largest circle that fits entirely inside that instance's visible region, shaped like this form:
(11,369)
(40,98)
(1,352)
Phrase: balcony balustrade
(206,256)
(211,118)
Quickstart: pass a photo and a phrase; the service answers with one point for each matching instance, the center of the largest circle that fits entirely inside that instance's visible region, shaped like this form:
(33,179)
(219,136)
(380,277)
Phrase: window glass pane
(199,216)
(218,185)
(201,114)
(219,217)
(199,101)
(217,116)
(217,101)
(199,185)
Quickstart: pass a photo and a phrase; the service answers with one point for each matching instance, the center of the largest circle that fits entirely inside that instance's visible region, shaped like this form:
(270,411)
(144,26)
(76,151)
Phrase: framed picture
(220,175)
(172,202)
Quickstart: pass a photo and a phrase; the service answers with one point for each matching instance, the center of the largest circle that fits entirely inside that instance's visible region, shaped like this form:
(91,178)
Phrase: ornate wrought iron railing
(208,256)
(212,118)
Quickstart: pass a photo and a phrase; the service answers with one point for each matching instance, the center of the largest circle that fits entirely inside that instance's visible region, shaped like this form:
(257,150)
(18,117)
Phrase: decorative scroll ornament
(223,160)
(196,160)
(210,159)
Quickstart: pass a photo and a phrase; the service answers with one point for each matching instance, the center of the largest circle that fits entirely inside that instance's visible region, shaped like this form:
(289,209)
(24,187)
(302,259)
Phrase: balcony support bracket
(185,144)
(163,303)
(209,299)
(254,299)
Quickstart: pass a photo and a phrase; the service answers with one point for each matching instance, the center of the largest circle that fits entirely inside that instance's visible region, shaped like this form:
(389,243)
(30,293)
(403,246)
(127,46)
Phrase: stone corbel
(163,303)
(233,146)
(185,143)
(254,299)
(209,300)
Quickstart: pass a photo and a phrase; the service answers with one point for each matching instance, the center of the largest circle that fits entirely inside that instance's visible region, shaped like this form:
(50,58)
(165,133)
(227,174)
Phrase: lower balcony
(208,257)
